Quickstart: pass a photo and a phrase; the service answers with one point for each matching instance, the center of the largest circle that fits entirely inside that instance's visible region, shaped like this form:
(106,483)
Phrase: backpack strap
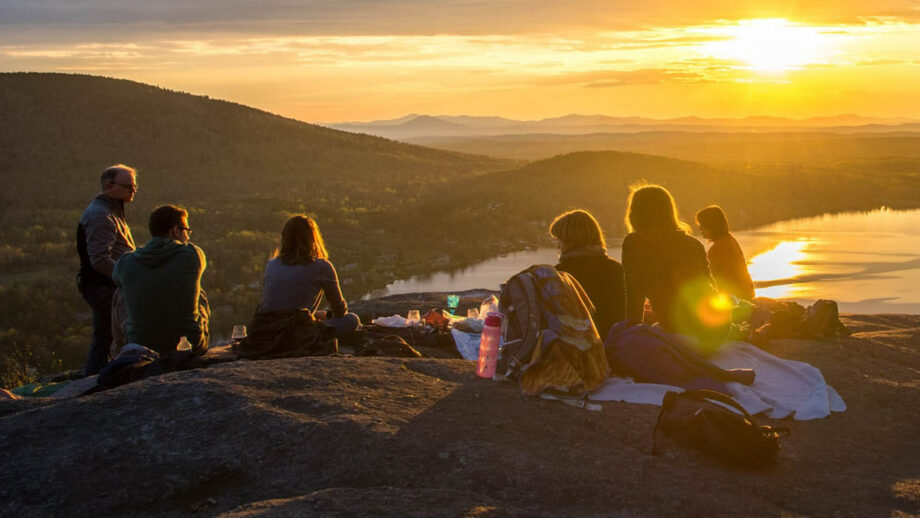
(704,394)
(575,400)
(766,430)
(534,312)
(527,305)
(711,395)
(666,405)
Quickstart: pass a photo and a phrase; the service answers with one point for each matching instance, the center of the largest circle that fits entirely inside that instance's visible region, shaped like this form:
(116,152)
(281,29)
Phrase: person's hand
(321,314)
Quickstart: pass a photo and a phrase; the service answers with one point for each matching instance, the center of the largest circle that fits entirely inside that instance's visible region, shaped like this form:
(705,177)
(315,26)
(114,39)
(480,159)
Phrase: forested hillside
(802,147)
(527,198)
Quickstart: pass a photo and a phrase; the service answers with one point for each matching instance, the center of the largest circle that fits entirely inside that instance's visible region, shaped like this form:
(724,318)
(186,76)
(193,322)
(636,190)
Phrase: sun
(769,45)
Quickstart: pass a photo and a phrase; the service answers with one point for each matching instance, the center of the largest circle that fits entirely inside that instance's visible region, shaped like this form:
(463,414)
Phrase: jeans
(100,299)
(344,325)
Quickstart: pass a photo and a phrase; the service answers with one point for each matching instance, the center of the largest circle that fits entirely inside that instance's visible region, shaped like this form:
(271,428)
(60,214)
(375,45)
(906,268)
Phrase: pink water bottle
(488,345)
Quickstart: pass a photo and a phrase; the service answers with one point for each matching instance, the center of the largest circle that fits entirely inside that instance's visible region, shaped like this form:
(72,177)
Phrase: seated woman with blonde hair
(300,275)
(726,259)
(583,253)
(666,265)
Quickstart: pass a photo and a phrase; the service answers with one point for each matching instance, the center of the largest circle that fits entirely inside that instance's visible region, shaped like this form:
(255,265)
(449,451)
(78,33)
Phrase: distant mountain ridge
(419,126)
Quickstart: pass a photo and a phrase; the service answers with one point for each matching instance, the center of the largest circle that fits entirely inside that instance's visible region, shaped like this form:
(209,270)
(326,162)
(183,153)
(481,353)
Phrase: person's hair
(651,207)
(575,229)
(301,241)
(109,175)
(164,218)
(713,218)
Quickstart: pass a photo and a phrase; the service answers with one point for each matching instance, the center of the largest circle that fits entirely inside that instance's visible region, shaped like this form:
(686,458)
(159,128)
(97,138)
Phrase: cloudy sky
(340,60)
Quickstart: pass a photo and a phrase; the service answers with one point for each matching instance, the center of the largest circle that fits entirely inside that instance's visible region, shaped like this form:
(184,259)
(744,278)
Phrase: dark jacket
(103,237)
(671,270)
(602,279)
(161,283)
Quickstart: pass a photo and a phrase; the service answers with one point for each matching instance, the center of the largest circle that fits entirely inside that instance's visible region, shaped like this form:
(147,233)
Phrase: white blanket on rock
(781,388)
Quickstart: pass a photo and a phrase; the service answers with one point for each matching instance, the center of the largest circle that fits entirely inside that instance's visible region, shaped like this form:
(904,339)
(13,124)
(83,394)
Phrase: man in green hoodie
(161,285)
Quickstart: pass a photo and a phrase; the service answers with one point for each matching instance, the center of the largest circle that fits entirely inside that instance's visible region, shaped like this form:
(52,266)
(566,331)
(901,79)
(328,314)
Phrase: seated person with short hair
(161,285)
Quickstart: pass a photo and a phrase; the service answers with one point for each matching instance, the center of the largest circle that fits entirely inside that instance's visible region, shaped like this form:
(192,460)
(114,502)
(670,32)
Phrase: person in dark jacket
(726,259)
(300,275)
(583,253)
(667,266)
(161,286)
(103,236)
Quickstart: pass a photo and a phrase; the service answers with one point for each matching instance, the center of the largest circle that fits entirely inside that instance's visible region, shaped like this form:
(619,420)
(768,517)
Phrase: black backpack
(695,418)
(822,319)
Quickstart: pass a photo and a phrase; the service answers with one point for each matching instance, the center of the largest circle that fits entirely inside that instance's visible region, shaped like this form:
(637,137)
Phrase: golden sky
(341,60)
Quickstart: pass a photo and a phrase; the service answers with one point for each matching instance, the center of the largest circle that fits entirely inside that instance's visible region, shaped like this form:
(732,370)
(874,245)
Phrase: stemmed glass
(452,302)
(239,332)
(414,318)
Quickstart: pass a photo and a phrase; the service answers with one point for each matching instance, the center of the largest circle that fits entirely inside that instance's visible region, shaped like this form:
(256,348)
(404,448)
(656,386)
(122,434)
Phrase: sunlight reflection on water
(869,262)
(781,262)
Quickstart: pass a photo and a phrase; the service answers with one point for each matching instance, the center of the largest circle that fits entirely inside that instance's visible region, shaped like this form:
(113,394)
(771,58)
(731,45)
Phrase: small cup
(239,332)
(472,313)
(414,317)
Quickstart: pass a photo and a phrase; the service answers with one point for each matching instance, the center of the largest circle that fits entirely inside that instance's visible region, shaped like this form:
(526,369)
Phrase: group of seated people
(154,297)
(159,298)
(663,264)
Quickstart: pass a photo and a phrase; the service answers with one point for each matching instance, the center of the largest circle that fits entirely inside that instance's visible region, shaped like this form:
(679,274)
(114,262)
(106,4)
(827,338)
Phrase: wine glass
(453,301)
(239,332)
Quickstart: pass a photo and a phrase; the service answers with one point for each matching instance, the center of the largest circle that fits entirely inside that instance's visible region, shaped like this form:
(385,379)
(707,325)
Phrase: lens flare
(701,312)
(715,310)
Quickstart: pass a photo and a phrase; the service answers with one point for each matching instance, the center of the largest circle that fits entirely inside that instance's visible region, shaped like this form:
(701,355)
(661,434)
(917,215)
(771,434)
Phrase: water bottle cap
(494,319)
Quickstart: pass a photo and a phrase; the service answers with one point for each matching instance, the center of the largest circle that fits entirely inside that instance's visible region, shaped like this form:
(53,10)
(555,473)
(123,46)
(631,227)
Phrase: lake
(869,262)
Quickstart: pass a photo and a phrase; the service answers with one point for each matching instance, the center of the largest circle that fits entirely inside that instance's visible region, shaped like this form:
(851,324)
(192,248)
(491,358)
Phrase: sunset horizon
(473,258)
(329,63)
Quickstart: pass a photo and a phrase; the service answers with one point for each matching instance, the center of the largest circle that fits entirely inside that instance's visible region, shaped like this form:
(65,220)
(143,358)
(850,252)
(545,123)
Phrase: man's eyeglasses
(129,186)
(185,229)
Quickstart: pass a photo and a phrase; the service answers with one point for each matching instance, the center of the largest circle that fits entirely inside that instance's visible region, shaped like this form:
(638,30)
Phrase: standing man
(103,236)
(161,285)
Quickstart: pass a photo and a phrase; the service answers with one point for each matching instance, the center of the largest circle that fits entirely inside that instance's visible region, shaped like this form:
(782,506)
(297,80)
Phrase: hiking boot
(330,347)
(353,339)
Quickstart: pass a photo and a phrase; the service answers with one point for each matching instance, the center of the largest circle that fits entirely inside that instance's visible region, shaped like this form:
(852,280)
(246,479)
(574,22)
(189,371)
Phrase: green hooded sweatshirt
(161,285)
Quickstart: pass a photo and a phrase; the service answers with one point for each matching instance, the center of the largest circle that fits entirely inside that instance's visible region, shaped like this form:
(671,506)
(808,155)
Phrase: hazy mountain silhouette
(421,126)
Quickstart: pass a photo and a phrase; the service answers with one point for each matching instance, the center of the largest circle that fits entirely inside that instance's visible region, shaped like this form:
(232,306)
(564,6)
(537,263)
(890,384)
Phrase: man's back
(103,237)
(161,282)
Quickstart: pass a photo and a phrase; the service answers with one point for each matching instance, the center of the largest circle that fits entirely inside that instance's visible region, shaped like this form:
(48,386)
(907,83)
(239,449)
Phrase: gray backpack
(532,302)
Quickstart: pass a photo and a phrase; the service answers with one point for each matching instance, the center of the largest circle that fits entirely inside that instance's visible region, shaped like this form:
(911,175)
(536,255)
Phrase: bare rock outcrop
(345,436)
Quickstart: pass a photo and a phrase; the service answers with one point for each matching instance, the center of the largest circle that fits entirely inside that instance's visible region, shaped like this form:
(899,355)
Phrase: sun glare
(779,263)
(782,262)
(769,45)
